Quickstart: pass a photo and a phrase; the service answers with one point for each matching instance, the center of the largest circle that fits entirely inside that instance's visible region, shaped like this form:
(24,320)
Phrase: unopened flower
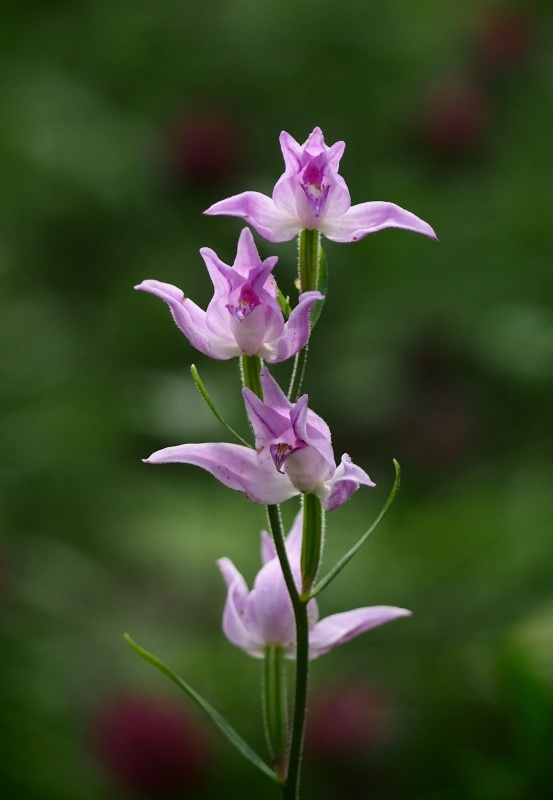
(244,317)
(293,454)
(254,620)
(312,195)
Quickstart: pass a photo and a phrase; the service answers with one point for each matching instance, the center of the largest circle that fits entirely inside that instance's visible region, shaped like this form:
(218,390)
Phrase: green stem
(250,367)
(311,543)
(308,259)
(275,710)
(308,269)
(291,786)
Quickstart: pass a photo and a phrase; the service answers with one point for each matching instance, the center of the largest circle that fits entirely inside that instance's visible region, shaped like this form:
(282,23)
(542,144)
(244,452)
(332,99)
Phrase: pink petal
(296,329)
(267,424)
(192,321)
(235,625)
(293,541)
(298,416)
(261,212)
(291,152)
(273,394)
(235,466)
(259,274)
(251,331)
(285,197)
(341,628)
(366,218)
(223,277)
(343,483)
(233,579)
(334,154)
(339,199)
(315,143)
(269,608)
(307,468)
(225,280)
(246,253)
(268,550)
(313,430)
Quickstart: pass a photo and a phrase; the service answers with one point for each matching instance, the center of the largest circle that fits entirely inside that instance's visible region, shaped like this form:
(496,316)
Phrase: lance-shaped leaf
(224,726)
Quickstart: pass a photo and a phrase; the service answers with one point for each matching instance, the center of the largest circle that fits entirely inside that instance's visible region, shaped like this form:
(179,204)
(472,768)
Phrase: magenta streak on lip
(279,454)
(316,191)
(247,301)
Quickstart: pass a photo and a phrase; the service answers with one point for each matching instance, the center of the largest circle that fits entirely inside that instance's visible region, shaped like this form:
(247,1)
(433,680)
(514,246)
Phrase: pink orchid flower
(293,454)
(253,620)
(312,195)
(244,317)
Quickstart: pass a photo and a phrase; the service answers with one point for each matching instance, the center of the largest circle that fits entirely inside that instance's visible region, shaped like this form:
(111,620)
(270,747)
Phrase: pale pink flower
(244,317)
(293,454)
(312,195)
(253,620)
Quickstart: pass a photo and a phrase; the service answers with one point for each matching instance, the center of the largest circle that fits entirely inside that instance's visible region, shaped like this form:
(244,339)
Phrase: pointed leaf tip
(211,405)
(349,555)
(224,726)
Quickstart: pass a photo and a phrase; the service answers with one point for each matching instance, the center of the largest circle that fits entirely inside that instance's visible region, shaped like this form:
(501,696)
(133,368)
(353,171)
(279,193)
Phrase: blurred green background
(121,121)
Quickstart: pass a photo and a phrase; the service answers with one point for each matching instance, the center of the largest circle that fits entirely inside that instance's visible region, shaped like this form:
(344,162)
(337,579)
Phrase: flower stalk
(312,543)
(309,245)
(309,242)
(291,786)
(275,708)
(250,370)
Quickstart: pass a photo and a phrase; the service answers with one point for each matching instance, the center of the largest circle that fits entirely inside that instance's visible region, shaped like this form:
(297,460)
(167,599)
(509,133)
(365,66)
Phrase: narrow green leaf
(284,303)
(219,720)
(322,271)
(309,249)
(204,393)
(300,362)
(349,555)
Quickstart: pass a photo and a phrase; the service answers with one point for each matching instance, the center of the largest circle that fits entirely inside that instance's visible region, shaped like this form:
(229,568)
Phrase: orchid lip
(279,454)
(314,187)
(247,301)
